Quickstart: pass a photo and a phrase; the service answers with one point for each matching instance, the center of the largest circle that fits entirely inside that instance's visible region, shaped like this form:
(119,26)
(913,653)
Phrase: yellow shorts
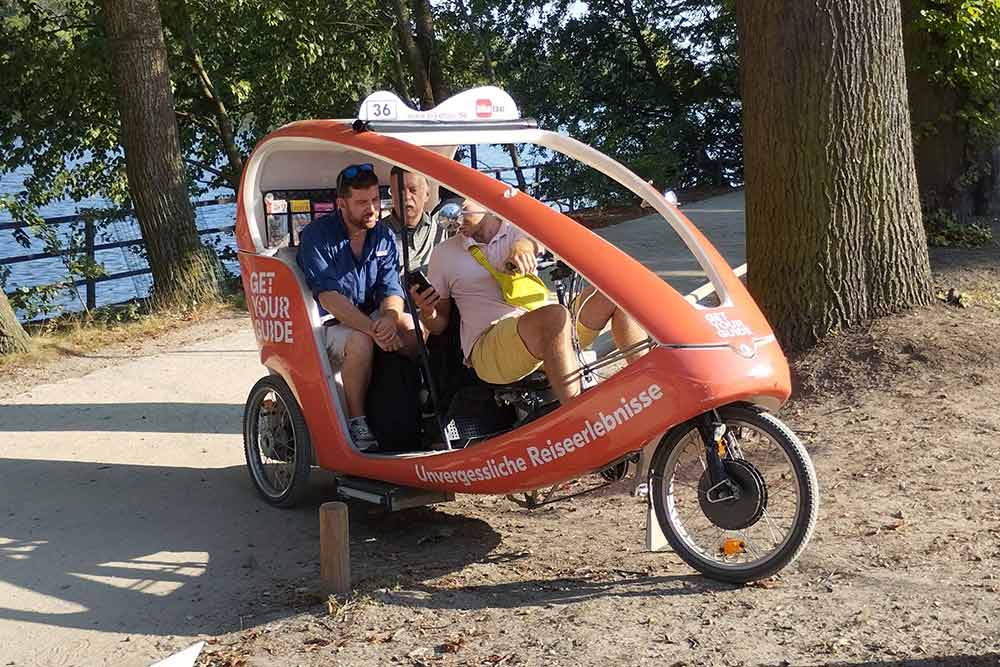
(501,357)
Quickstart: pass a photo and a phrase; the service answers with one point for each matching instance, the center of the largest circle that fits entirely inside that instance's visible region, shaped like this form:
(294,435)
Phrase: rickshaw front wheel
(276,442)
(756,522)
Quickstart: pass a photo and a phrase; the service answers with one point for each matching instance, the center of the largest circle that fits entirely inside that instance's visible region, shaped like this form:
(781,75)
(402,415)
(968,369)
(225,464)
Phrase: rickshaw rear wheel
(276,442)
(772,515)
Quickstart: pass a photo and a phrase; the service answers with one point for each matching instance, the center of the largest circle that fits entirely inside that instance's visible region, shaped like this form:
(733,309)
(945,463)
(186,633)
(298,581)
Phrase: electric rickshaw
(729,485)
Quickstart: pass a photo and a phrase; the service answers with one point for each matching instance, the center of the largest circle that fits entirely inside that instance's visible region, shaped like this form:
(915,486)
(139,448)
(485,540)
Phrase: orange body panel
(738,359)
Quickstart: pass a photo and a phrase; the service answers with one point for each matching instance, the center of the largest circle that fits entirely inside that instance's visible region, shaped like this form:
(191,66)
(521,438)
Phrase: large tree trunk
(12,337)
(183,270)
(834,234)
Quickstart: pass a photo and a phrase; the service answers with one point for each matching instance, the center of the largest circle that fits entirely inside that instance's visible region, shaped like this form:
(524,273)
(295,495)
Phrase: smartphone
(419,280)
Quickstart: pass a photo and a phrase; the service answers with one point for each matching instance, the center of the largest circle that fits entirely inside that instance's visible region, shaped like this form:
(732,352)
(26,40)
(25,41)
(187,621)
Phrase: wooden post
(335,549)
(88,237)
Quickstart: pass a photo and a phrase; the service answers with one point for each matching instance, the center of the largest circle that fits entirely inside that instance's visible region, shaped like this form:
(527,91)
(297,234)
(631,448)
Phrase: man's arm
(345,311)
(391,305)
(315,264)
(523,255)
(433,309)
(434,303)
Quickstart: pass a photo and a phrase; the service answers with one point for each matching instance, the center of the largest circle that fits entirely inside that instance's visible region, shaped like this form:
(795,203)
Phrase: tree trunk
(424,20)
(834,234)
(398,75)
(12,336)
(411,55)
(223,121)
(183,270)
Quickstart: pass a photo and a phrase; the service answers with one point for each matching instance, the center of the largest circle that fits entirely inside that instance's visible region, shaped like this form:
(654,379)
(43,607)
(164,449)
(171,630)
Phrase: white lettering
(271,314)
(533,455)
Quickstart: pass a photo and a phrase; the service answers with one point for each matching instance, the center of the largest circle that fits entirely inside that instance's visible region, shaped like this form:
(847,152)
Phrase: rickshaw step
(391,497)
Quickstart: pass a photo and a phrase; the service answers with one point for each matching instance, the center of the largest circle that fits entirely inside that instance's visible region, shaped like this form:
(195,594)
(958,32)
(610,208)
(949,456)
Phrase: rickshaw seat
(287,256)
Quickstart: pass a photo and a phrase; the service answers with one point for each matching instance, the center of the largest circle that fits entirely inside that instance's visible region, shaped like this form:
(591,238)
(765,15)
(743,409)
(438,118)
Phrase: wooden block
(335,549)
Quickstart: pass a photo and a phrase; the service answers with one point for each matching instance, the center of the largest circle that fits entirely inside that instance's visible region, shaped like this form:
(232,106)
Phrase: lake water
(48,271)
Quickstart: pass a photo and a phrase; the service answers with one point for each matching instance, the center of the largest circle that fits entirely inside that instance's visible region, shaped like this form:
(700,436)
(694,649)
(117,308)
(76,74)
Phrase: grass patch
(78,334)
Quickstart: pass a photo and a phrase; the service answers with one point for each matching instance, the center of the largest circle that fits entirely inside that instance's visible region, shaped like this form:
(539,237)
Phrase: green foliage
(653,83)
(964,54)
(945,231)
(272,63)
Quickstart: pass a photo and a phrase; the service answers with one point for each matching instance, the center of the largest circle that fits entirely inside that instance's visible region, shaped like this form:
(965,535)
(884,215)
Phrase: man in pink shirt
(504,343)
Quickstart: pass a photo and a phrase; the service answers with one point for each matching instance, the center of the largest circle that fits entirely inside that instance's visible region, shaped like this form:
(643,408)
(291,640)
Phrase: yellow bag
(524,290)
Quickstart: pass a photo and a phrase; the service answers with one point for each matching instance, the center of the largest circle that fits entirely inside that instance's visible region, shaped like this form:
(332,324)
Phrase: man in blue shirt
(351,265)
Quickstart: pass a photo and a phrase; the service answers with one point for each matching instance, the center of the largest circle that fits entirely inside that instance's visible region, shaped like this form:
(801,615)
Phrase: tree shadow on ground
(556,591)
(131,354)
(184,551)
(122,417)
(985,660)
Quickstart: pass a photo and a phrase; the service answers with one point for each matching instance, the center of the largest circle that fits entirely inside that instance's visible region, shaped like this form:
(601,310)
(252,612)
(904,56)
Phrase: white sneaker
(361,434)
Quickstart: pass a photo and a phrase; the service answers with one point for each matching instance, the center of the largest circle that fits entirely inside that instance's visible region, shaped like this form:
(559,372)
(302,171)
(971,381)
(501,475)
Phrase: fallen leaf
(451,645)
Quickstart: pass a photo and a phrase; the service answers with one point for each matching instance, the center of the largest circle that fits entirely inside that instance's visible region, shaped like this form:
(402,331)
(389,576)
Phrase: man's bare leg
(627,332)
(356,371)
(599,309)
(546,334)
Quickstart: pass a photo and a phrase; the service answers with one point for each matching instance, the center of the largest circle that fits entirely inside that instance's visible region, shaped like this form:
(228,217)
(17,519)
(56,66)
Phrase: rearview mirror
(450,215)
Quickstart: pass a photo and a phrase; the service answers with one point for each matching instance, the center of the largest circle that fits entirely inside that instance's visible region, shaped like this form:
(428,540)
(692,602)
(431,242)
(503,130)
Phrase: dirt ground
(902,419)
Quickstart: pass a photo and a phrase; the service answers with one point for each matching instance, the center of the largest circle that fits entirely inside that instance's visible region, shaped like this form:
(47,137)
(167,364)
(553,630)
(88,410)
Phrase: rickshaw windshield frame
(443,135)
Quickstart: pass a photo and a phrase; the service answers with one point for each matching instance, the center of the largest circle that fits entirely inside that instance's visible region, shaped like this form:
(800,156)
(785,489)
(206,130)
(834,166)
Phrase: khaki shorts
(336,339)
(499,356)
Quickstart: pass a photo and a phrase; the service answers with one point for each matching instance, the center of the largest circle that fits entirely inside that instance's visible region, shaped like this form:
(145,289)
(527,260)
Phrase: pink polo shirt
(455,274)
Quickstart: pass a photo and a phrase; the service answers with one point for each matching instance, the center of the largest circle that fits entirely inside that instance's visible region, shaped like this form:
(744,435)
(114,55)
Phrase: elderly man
(504,343)
(350,263)
(423,232)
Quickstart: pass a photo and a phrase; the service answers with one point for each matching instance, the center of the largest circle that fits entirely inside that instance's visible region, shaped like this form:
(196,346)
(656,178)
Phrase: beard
(363,221)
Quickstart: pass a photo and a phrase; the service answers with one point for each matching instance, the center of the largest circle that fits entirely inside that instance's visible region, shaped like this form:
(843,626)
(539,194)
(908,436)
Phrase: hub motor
(735,503)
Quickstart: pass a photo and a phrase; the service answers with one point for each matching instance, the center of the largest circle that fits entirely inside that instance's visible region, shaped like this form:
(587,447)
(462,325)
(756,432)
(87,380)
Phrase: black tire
(800,529)
(294,454)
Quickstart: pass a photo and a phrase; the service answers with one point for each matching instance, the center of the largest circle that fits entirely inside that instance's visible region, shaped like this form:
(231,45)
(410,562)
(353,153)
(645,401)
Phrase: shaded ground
(902,419)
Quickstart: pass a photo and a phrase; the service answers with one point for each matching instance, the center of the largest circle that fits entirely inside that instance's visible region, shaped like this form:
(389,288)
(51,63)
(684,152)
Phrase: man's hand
(522,256)
(425,301)
(384,331)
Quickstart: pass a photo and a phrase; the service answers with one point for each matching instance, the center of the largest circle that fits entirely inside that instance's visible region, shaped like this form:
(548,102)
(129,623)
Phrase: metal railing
(91,247)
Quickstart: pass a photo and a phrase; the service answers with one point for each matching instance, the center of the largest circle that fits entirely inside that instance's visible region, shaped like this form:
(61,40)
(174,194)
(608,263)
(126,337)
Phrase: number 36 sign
(381,109)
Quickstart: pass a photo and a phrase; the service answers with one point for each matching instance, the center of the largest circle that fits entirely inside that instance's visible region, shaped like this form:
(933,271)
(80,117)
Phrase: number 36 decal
(381,110)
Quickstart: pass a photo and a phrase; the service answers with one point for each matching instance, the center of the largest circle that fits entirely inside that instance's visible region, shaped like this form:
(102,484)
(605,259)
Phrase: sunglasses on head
(350,172)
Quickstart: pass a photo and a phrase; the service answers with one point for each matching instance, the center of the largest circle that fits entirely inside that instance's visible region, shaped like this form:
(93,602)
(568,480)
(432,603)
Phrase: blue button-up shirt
(329,264)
